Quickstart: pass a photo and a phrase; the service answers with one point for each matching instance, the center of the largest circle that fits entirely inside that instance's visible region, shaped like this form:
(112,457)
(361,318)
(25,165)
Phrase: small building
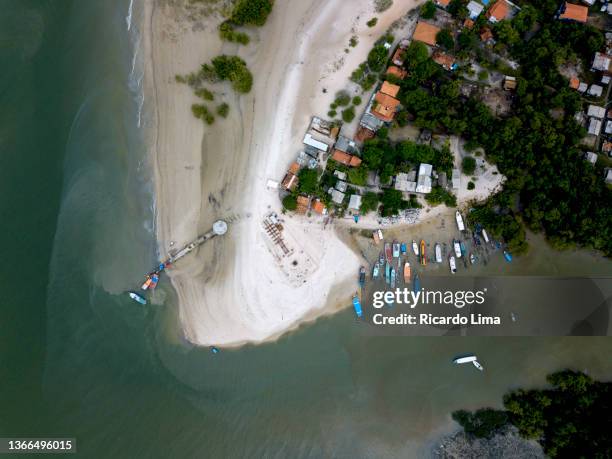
(445,60)
(442,180)
(397,72)
(345,144)
(340,174)
(290,181)
(606,147)
(363,134)
(468,23)
(442,3)
(318,207)
(572,12)
(426,33)
(346,159)
(594,126)
(303,203)
(403,183)
(605,79)
(574,83)
(389,89)
(369,121)
(582,87)
(608,175)
(456,179)
(590,157)
(589,2)
(474,9)
(608,128)
(341,185)
(596,111)
(354,202)
(424,178)
(373,179)
(384,106)
(312,142)
(595,90)
(398,57)
(509,83)
(601,62)
(336,196)
(499,11)
(326,128)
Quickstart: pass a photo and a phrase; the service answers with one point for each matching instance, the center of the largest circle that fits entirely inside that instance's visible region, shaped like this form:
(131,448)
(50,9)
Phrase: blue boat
(357,306)
(138,298)
(403,248)
(388,273)
(356,218)
(507,256)
(214,350)
(463,251)
(416,286)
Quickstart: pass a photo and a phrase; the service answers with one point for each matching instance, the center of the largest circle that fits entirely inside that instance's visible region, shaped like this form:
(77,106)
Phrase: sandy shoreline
(232,290)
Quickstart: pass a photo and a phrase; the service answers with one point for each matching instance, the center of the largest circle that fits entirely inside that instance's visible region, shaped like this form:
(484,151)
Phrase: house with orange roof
(572,12)
(426,33)
(389,89)
(499,11)
(318,207)
(574,83)
(303,203)
(397,72)
(468,23)
(398,57)
(384,106)
(445,60)
(346,159)
(442,3)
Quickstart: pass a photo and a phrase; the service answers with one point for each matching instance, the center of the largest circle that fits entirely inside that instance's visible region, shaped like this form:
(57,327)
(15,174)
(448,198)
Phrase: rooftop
(354,202)
(426,33)
(596,111)
(319,207)
(499,11)
(574,83)
(384,106)
(363,133)
(571,12)
(397,72)
(303,202)
(445,60)
(474,9)
(389,88)
(424,179)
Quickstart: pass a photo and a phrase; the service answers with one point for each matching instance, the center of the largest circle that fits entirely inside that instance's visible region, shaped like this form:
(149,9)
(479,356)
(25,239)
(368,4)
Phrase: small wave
(128,18)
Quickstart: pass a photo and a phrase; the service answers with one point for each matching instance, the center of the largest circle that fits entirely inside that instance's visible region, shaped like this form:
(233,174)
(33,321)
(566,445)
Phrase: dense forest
(571,418)
(537,147)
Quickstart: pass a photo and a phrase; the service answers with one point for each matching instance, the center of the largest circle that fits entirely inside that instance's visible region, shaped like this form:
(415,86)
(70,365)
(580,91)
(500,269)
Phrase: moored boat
(138,298)
(407,272)
(375,237)
(376,270)
(381,259)
(154,281)
(403,248)
(472,258)
(462,247)
(415,247)
(465,359)
(387,273)
(452,264)
(388,253)
(396,249)
(457,248)
(485,236)
(459,219)
(380,234)
(393,277)
(357,306)
(416,286)
(147,283)
(507,256)
(478,365)
(438,250)
(362,275)
(423,256)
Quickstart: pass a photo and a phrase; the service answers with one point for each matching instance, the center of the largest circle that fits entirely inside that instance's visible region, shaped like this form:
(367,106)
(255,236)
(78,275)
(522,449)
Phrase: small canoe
(376,270)
(393,277)
(357,306)
(472,258)
(381,259)
(463,250)
(388,273)
(154,281)
(457,248)
(407,272)
(485,235)
(417,283)
(507,256)
(396,249)
(403,248)
(415,247)
(423,257)
(362,276)
(459,219)
(375,237)
(452,264)
(438,251)
(138,298)
(388,253)
(147,283)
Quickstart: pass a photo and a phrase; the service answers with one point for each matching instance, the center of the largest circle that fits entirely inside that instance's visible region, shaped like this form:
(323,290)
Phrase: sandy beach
(233,290)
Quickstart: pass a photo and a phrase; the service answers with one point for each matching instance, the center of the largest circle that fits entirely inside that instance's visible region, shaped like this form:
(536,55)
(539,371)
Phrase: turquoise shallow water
(78,359)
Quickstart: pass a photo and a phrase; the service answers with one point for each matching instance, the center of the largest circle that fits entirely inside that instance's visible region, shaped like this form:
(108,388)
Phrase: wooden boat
(376,270)
(393,277)
(154,281)
(381,259)
(147,283)
(403,248)
(459,219)
(485,236)
(457,248)
(438,251)
(357,306)
(388,253)
(387,273)
(396,249)
(507,256)
(452,264)
(362,276)
(407,272)
(416,286)
(472,258)
(415,247)
(423,257)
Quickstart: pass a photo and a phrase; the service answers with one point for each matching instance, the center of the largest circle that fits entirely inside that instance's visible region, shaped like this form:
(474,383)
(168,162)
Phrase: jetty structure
(219,228)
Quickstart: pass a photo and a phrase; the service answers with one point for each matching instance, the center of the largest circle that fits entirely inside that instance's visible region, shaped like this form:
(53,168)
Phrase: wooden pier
(219,228)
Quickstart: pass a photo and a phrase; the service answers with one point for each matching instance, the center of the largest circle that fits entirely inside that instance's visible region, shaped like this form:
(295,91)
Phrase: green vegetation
(235,70)
(372,22)
(483,423)
(205,94)
(428,10)
(202,112)
(377,57)
(439,195)
(348,114)
(308,181)
(444,38)
(548,187)
(356,101)
(483,75)
(382,5)
(358,175)
(332,113)
(227,32)
(369,202)
(342,99)
(471,185)
(223,110)
(392,202)
(353,41)
(468,165)
(251,12)
(569,419)
(290,202)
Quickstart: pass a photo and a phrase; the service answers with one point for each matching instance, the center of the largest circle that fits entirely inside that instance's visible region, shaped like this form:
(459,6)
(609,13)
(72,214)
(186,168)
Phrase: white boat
(485,235)
(438,250)
(380,235)
(457,247)
(466,359)
(452,264)
(478,365)
(415,247)
(459,219)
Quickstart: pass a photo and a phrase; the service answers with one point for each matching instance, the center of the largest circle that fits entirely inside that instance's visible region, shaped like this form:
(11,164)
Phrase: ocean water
(79,359)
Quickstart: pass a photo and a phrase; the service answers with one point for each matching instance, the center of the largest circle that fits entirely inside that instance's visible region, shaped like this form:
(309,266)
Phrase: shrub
(428,10)
(253,12)
(332,113)
(358,175)
(348,114)
(439,195)
(202,112)
(342,98)
(471,185)
(205,94)
(369,202)
(483,75)
(368,82)
(483,423)
(468,165)
(290,202)
(227,32)
(234,69)
(308,181)
(382,5)
(353,41)
(372,22)
(444,38)
(223,110)
(356,100)
(377,57)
